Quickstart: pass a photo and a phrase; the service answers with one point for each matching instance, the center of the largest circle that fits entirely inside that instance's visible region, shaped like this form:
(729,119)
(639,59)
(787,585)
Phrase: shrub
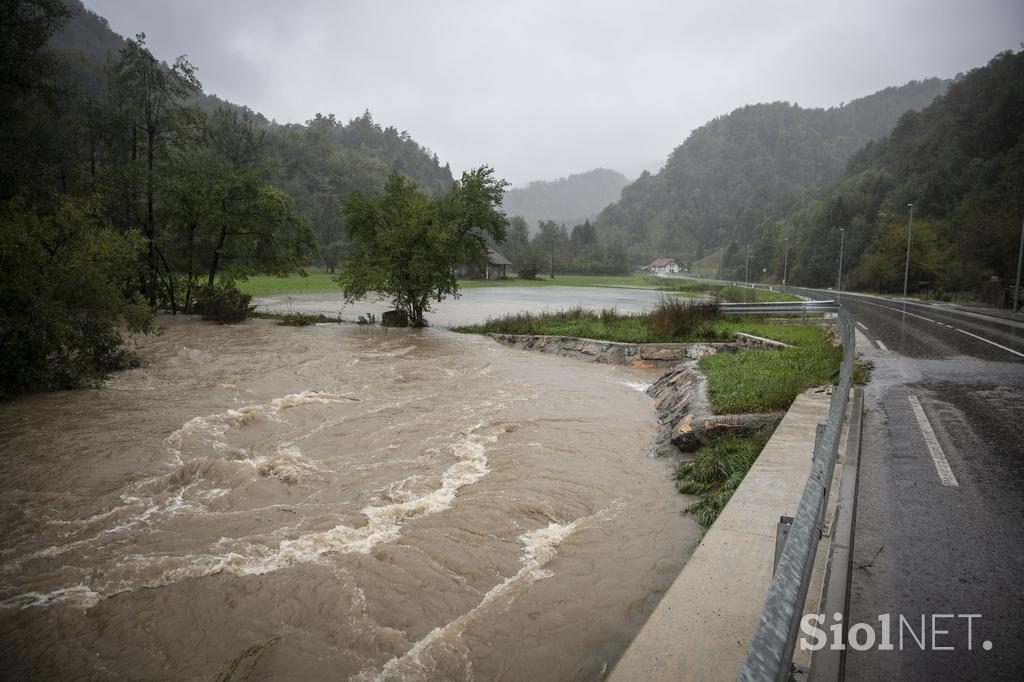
(527,273)
(676,317)
(63,300)
(302,319)
(223,303)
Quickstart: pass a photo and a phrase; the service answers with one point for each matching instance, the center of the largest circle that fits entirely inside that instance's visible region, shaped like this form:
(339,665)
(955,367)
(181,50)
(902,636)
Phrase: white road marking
(997,345)
(862,327)
(880,344)
(938,456)
(980,338)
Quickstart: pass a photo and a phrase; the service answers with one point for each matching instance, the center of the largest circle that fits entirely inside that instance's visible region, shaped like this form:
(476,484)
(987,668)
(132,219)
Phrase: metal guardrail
(806,307)
(770,655)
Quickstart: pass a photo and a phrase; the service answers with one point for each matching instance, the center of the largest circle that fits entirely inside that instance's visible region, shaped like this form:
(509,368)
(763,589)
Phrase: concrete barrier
(703,625)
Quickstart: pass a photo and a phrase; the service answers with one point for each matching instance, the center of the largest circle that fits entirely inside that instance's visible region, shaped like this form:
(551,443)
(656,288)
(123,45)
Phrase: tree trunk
(216,257)
(170,283)
(150,222)
(191,267)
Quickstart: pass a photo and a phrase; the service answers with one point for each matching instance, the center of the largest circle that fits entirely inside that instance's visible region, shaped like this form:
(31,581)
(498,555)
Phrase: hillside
(568,200)
(960,161)
(720,184)
(317,163)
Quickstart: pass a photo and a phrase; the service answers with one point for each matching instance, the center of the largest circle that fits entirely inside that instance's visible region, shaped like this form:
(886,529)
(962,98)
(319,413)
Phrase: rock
(394,318)
(649,352)
(698,350)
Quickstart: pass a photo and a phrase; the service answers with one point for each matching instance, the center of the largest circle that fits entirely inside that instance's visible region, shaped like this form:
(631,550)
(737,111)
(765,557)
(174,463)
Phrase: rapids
(392,504)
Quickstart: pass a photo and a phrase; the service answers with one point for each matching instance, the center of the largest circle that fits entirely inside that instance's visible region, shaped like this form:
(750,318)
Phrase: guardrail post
(781,535)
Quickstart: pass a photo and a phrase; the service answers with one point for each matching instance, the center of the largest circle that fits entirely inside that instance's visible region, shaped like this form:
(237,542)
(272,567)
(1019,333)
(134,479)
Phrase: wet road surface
(939,530)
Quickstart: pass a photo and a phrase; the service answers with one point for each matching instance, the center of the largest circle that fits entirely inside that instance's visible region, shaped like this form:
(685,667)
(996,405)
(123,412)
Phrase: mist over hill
(569,200)
(959,161)
(718,185)
(317,164)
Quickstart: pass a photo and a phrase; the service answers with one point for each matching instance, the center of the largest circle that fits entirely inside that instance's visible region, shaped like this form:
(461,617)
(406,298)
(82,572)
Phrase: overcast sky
(542,89)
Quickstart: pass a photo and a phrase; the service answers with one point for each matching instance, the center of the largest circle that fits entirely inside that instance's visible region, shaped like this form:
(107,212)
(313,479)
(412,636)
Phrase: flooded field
(475,305)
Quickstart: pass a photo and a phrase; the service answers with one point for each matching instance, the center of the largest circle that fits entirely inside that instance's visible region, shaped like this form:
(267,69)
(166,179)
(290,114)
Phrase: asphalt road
(940,517)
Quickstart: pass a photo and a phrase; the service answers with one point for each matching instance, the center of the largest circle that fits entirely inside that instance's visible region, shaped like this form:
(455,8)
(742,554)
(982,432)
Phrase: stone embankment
(685,417)
(640,355)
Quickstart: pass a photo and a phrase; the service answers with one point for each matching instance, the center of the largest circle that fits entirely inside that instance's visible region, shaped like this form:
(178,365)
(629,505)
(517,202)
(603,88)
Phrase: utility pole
(906,268)
(842,243)
(785,264)
(746,277)
(1020,259)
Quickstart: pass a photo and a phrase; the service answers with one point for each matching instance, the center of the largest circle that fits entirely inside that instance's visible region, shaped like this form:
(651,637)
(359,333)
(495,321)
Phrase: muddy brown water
(389,504)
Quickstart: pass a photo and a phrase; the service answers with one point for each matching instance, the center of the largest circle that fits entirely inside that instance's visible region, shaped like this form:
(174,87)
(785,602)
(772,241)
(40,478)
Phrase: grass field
(268,285)
(642,281)
(319,282)
(610,325)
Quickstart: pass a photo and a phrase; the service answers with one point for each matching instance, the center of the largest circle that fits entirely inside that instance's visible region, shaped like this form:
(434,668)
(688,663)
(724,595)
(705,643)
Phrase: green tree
(62,279)
(64,269)
(406,245)
(517,241)
(549,241)
(154,104)
(882,269)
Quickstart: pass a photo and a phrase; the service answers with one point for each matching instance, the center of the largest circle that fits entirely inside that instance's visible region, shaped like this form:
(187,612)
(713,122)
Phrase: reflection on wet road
(941,494)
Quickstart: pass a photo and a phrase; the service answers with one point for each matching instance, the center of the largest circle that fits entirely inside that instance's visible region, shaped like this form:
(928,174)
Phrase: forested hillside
(316,164)
(960,161)
(570,200)
(723,181)
(125,189)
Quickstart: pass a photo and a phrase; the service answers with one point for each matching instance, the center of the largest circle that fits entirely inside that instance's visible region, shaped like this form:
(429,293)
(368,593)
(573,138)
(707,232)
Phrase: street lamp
(1020,259)
(785,263)
(842,243)
(906,268)
(746,277)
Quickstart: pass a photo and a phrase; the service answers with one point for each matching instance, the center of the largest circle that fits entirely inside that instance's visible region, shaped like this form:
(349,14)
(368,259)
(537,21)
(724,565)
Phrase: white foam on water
(244,557)
(212,428)
(287,464)
(540,546)
(636,385)
(384,522)
(76,596)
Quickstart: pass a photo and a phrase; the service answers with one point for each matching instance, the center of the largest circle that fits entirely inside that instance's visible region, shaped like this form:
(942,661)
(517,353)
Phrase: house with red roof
(663,266)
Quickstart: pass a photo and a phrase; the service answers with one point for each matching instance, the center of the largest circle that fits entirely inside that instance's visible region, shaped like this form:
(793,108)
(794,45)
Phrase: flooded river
(387,504)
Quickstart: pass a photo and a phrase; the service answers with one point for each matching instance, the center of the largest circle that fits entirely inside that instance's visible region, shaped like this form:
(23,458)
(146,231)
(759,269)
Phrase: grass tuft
(676,318)
(717,471)
(298,319)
